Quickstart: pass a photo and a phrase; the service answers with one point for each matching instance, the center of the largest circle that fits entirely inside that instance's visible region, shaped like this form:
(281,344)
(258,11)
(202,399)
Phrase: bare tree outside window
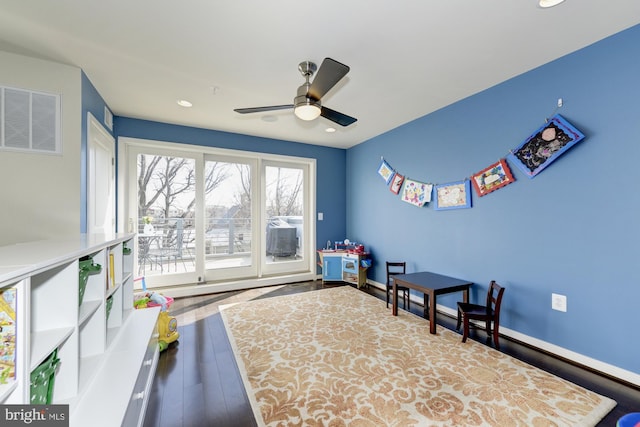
(284,206)
(284,192)
(166,185)
(167,205)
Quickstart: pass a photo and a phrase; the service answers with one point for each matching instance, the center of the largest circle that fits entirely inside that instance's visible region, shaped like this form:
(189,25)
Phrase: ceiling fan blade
(330,73)
(337,117)
(261,109)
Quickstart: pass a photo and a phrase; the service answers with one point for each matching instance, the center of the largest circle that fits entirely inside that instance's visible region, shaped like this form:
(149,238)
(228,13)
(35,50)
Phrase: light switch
(320,216)
(559,302)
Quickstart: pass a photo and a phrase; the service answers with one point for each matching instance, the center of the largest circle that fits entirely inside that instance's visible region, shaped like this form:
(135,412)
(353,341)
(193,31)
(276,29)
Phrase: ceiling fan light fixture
(307,103)
(549,3)
(307,109)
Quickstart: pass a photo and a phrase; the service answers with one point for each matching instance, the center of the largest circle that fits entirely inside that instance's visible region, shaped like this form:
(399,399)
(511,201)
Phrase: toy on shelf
(155,299)
(152,299)
(141,302)
(348,246)
(167,325)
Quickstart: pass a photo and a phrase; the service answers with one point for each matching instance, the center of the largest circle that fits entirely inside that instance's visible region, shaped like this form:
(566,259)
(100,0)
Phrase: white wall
(40,193)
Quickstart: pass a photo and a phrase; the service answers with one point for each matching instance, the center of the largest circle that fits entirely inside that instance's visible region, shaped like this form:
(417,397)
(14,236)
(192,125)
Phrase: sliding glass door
(285,212)
(165,214)
(229,211)
(205,217)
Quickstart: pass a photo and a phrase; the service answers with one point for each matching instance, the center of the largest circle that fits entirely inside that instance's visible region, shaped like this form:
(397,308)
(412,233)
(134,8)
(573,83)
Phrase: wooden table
(431,285)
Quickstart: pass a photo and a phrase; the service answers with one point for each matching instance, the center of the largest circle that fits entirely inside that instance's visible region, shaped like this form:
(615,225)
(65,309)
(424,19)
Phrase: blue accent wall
(92,102)
(330,163)
(573,229)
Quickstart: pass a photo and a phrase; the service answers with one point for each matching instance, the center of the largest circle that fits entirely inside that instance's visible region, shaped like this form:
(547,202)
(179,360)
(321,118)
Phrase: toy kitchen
(344,261)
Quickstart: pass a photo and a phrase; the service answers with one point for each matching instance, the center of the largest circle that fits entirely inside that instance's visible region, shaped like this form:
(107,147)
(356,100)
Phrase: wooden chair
(487,313)
(394,268)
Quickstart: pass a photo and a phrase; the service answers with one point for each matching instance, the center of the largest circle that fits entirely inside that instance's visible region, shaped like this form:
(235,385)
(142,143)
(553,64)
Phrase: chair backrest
(494,300)
(179,236)
(173,239)
(394,268)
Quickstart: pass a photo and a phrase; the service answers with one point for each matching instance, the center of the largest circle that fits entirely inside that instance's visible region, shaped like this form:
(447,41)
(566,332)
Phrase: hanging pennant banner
(396,183)
(386,172)
(545,145)
(454,195)
(416,193)
(490,179)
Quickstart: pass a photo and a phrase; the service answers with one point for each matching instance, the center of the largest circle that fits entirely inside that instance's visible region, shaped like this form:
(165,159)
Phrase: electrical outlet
(559,302)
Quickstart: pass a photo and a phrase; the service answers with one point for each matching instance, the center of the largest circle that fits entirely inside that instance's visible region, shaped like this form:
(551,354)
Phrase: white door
(100,178)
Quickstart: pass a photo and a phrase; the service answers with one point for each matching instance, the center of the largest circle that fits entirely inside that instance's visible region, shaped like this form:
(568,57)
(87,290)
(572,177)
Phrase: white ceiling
(407,58)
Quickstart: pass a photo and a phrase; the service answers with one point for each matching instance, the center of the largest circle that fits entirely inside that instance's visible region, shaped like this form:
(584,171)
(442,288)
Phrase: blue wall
(92,102)
(573,229)
(330,163)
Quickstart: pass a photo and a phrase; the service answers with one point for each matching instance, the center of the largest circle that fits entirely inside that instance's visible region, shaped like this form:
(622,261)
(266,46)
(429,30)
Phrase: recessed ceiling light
(330,130)
(549,3)
(184,103)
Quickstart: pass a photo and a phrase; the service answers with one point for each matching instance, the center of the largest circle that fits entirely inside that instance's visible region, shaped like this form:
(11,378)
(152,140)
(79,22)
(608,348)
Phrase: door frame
(97,135)
(309,223)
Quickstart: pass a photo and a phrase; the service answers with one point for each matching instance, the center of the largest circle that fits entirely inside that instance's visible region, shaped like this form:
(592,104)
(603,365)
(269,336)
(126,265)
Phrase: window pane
(166,201)
(284,207)
(227,215)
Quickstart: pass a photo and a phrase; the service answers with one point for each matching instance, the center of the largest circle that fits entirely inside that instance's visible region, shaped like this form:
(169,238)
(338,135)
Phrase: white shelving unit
(107,363)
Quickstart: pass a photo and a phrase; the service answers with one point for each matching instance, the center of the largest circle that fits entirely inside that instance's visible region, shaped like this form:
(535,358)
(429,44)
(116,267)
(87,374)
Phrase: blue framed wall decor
(453,195)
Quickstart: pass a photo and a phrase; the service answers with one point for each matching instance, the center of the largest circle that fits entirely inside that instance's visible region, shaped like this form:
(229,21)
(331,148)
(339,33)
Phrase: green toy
(141,303)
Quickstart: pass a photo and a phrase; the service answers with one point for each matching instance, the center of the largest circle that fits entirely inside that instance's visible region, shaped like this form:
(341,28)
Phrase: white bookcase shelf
(96,349)
(44,342)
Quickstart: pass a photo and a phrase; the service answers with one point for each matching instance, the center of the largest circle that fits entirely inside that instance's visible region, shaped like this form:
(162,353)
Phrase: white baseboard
(580,359)
(232,285)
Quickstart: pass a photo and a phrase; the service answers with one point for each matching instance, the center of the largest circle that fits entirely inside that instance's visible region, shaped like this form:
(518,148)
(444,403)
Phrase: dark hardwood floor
(197,382)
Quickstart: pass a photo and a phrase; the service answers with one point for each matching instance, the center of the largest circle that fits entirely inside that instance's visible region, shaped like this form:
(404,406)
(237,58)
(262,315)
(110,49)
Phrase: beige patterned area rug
(337,357)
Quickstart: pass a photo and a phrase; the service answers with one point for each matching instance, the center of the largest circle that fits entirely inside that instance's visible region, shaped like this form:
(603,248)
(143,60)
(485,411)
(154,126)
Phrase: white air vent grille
(29,121)
(108,118)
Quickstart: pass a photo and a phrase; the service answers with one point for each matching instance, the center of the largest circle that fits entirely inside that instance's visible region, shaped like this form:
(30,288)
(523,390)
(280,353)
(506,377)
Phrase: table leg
(426,305)
(465,295)
(394,307)
(432,312)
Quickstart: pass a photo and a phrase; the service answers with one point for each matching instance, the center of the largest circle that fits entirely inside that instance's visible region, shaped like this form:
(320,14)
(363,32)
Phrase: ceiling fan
(306,105)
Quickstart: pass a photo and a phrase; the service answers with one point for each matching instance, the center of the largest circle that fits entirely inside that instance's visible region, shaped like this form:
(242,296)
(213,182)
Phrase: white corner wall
(40,193)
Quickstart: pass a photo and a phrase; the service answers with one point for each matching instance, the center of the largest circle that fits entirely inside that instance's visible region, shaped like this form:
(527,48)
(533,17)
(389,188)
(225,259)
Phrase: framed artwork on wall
(416,193)
(386,172)
(545,145)
(490,179)
(454,195)
(396,183)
